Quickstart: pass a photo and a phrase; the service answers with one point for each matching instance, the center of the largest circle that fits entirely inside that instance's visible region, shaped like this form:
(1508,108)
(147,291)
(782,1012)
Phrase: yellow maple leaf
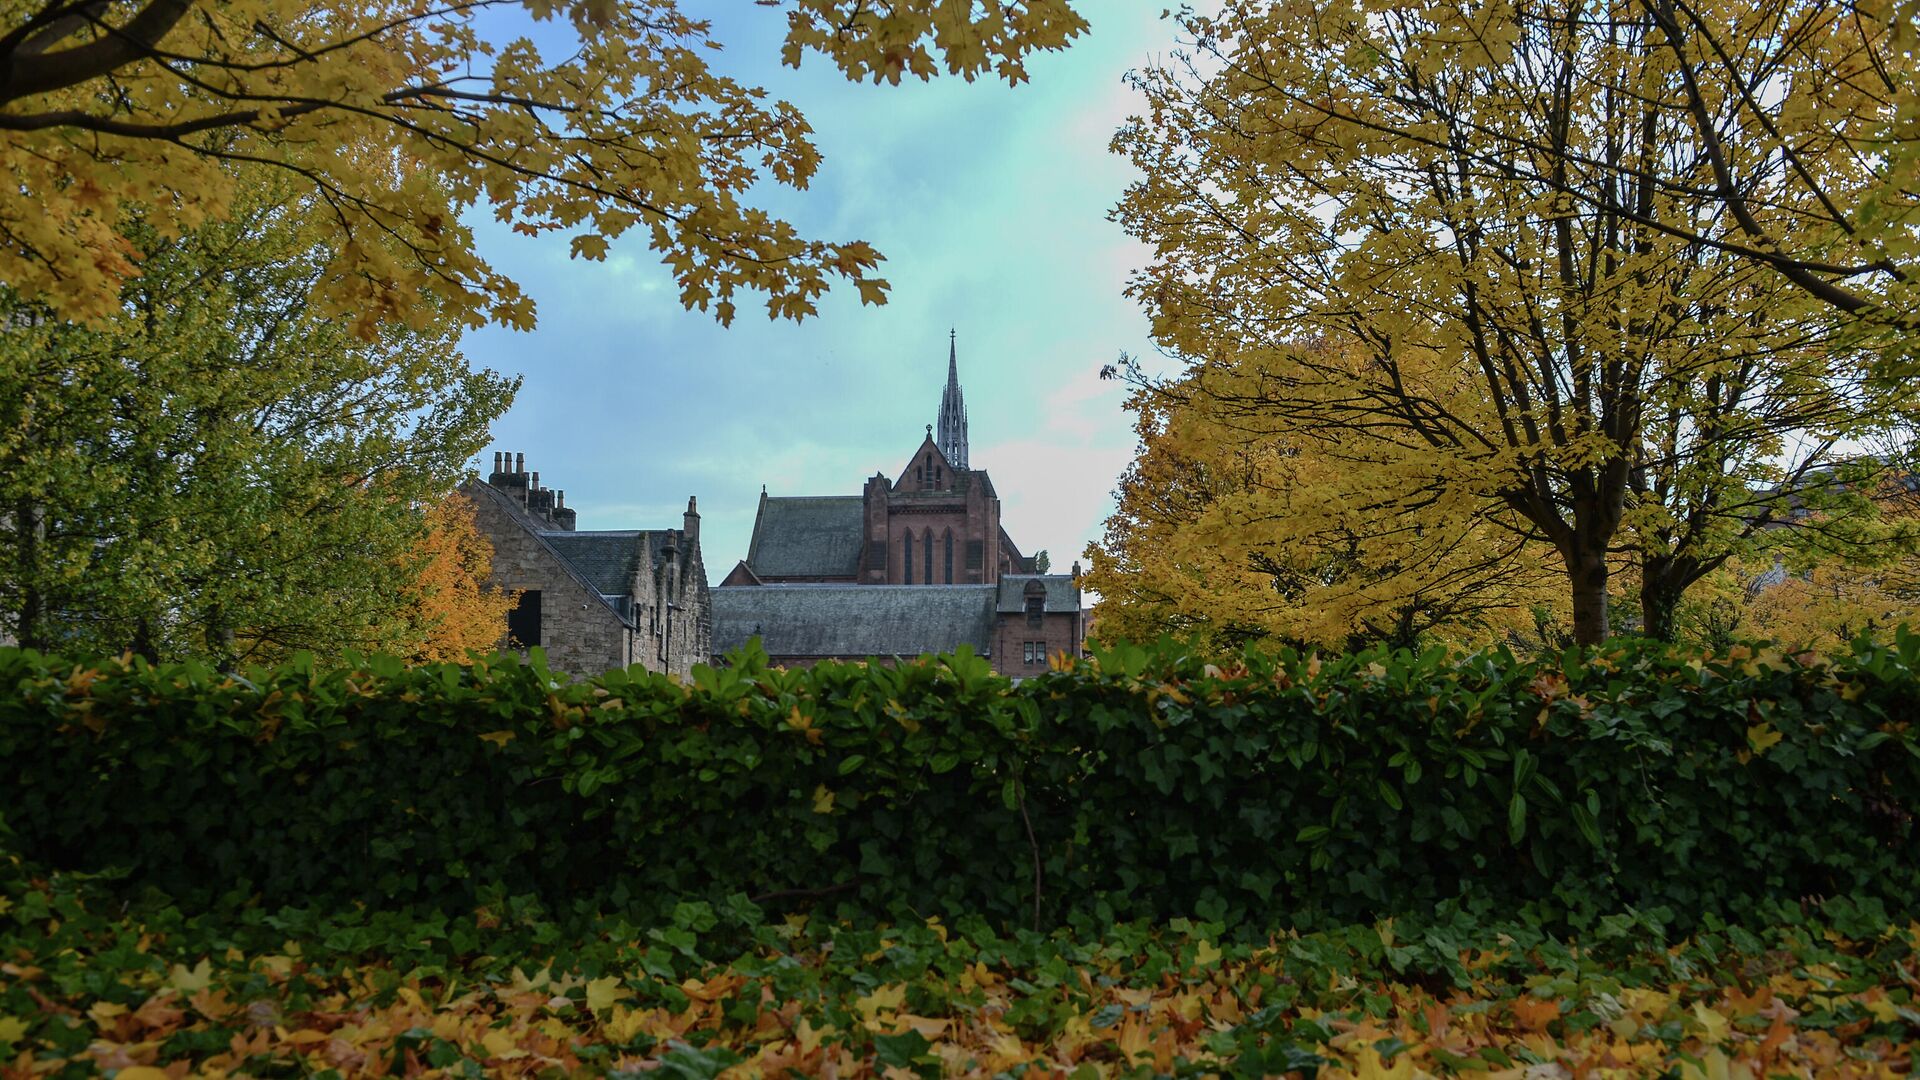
(1762,736)
(191,980)
(500,1044)
(1206,955)
(809,1036)
(602,993)
(12,1030)
(1368,1066)
(822,800)
(884,999)
(1713,1026)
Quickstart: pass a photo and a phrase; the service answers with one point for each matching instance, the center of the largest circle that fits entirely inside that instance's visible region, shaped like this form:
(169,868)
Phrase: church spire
(953,411)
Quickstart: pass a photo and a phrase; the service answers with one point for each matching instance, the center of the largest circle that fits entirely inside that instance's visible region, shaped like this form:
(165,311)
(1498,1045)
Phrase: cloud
(990,204)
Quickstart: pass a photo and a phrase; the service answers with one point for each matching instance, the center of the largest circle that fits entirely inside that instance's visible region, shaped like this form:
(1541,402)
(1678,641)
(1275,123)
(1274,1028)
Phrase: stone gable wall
(580,634)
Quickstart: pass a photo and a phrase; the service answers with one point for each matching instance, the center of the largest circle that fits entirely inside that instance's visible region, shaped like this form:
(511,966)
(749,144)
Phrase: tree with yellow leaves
(1812,598)
(1503,221)
(452,609)
(1232,532)
(397,117)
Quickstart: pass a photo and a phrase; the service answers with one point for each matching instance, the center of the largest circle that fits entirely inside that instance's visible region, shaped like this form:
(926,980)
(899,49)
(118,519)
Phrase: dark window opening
(523,622)
(1036,609)
(949,556)
(929,573)
(907,562)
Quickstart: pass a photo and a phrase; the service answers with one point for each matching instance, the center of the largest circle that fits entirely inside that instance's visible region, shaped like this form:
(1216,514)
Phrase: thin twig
(783,894)
(1033,845)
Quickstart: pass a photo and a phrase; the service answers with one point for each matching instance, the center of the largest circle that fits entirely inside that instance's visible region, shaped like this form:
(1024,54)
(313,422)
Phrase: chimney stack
(506,478)
(520,463)
(690,522)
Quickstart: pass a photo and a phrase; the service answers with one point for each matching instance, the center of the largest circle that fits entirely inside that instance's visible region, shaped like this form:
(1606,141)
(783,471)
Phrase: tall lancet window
(929,556)
(907,551)
(949,556)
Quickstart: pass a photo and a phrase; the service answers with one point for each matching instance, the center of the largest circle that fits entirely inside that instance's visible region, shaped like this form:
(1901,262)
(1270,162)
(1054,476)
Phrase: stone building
(594,600)
(917,562)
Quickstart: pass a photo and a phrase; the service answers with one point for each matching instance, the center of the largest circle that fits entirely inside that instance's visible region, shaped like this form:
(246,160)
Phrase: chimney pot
(496,461)
(519,463)
(536,481)
(560,497)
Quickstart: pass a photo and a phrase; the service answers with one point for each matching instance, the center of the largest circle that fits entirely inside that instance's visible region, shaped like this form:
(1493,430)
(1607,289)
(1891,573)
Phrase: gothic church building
(915,563)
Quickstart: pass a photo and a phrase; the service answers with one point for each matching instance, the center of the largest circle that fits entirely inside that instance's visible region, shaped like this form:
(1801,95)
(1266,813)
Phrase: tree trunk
(29,629)
(1587,571)
(1664,580)
(1660,591)
(143,644)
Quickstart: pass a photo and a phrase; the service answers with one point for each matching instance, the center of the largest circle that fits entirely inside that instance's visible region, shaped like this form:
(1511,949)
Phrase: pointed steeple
(953,411)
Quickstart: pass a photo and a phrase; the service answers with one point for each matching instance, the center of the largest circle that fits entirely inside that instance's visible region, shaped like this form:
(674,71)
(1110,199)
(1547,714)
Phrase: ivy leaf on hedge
(902,1051)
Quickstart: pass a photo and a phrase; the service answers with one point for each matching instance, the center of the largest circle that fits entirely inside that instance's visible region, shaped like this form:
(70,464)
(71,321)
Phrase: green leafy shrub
(1145,783)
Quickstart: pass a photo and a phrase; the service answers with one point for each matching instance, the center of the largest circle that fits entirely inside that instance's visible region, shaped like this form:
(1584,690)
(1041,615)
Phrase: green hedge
(1145,783)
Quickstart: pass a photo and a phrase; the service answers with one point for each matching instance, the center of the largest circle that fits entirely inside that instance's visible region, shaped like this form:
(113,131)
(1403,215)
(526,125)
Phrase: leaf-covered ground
(495,994)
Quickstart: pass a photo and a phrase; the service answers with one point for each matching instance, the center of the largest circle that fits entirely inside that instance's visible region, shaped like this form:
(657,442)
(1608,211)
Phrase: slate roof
(480,489)
(853,620)
(610,558)
(1062,595)
(808,536)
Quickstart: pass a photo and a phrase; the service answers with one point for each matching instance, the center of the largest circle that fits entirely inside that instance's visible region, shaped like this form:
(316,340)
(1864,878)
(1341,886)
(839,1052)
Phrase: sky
(990,204)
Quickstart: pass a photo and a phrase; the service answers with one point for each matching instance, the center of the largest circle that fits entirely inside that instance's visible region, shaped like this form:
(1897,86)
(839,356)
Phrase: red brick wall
(1011,631)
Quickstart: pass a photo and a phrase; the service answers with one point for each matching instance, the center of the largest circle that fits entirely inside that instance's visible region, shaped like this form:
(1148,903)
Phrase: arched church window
(907,545)
(929,574)
(949,556)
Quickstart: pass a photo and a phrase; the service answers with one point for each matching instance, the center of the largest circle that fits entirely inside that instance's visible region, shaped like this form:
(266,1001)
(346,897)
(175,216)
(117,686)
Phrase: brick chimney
(690,522)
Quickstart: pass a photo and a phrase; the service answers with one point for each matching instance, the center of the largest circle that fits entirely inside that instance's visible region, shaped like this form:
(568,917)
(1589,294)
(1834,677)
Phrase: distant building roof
(1062,593)
(807,536)
(853,620)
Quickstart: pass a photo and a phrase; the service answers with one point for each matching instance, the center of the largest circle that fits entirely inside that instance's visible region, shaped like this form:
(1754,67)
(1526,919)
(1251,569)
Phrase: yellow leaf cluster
(401,116)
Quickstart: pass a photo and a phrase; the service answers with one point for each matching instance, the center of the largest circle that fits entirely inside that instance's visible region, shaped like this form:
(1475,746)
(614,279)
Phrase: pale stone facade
(593,600)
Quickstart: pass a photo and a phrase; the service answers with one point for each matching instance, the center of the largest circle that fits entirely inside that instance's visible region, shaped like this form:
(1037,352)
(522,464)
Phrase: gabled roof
(610,559)
(1062,593)
(853,620)
(482,490)
(807,536)
(900,482)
